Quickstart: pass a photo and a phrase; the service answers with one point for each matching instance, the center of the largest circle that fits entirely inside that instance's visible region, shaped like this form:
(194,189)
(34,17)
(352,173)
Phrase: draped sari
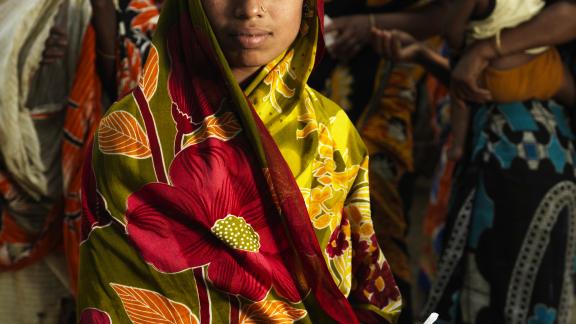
(381,98)
(205,203)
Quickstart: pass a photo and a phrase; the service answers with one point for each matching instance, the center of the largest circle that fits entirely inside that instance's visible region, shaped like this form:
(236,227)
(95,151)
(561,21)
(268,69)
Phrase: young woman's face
(252,33)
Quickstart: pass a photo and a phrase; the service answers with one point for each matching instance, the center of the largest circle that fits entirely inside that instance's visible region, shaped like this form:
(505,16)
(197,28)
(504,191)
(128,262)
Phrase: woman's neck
(245,73)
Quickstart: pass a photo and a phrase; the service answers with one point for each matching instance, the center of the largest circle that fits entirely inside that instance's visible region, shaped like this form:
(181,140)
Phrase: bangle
(104,55)
(498,43)
(372,21)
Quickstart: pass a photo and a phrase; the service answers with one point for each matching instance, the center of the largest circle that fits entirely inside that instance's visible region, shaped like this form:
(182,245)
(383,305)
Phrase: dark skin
(56,45)
(105,25)
(354,31)
(430,20)
(400,46)
(104,22)
(514,40)
(57,42)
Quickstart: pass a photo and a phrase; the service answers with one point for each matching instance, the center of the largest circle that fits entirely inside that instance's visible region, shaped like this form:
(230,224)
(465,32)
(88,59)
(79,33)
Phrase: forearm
(553,26)
(455,26)
(436,64)
(422,23)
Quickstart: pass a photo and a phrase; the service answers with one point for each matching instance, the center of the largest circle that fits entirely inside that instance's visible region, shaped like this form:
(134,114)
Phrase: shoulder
(334,120)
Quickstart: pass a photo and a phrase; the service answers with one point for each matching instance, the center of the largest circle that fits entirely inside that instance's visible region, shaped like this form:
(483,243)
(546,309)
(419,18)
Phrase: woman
(206,201)
(510,245)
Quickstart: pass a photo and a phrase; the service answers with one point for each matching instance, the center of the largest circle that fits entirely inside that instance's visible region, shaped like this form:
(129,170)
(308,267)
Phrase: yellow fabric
(540,79)
(330,164)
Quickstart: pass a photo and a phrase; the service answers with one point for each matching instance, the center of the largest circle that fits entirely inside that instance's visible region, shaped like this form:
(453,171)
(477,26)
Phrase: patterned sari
(205,203)
(380,98)
(510,239)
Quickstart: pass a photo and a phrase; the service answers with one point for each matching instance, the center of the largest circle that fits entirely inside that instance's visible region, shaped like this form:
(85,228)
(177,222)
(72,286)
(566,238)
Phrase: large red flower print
(214,214)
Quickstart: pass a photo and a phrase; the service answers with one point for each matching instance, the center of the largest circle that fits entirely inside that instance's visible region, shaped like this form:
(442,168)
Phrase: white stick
(432,318)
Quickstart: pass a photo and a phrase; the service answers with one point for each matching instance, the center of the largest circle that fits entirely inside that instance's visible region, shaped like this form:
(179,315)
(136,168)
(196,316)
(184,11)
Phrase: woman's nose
(248,9)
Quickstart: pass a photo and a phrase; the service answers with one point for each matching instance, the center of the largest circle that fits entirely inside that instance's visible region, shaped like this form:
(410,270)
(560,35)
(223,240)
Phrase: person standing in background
(39,47)
(510,245)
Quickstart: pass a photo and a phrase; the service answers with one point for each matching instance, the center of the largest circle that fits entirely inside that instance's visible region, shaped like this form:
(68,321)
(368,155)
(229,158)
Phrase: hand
(459,120)
(352,33)
(396,45)
(466,74)
(55,47)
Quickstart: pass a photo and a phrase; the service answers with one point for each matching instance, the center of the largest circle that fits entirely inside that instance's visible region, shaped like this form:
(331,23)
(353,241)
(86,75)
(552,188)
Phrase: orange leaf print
(224,128)
(275,312)
(145,306)
(120,133)
(149,80)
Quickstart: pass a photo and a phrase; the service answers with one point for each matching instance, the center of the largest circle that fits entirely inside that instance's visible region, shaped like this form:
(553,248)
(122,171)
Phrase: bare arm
(455,26)
(554,25)
(400,46)
(436,64)
(422,23)
(105,25)
(353,32)
(558,22)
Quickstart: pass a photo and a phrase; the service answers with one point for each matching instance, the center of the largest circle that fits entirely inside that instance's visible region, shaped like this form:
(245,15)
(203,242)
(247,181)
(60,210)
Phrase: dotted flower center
(236,233)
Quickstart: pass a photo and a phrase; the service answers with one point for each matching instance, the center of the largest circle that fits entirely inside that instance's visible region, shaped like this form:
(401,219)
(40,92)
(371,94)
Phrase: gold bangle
(498,42)
(104,55)
(372,21)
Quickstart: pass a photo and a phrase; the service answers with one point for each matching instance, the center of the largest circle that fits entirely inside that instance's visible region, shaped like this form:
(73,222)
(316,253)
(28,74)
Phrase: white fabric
(506,14)
(24,28)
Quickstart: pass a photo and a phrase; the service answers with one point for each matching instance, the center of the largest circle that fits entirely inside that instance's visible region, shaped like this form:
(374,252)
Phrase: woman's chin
(250,59)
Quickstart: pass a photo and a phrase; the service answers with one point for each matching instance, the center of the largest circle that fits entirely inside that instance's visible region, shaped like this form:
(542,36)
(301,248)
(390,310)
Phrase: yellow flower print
(275,79)
(309,118)
(339,180)
(320,215)
(325,143)
(321,168)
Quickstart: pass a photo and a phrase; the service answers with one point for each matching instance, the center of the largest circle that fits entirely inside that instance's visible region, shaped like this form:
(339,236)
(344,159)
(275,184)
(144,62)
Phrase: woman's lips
(250,38)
